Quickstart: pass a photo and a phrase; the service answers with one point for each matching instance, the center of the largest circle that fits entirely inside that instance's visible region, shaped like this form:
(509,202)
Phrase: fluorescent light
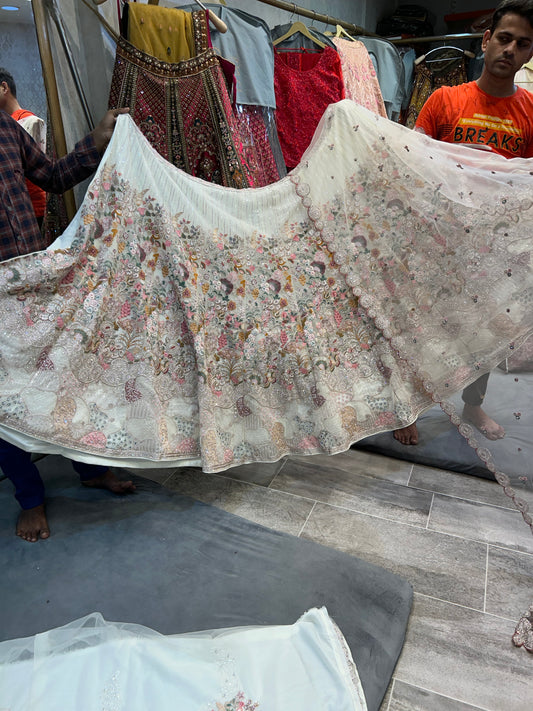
(9,8)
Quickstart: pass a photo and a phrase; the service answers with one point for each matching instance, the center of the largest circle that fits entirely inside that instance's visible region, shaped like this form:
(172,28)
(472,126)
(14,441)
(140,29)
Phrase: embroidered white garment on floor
(177,321)
(109,666)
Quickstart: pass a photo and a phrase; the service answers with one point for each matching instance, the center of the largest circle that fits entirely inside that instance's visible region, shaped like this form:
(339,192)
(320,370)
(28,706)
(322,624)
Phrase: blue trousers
(474,393)
(17,466)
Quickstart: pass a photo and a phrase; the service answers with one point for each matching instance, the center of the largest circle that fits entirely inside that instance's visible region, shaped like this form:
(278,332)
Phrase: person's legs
(17,466)
(473,396)
(88,471)
(407,435)
(100,477)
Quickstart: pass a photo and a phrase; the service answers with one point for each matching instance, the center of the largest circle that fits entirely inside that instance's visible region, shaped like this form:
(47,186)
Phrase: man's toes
(32,524)
(109,481)
(29,536)
(120,487)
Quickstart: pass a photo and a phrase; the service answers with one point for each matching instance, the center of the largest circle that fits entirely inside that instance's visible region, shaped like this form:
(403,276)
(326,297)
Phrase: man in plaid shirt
(21,158)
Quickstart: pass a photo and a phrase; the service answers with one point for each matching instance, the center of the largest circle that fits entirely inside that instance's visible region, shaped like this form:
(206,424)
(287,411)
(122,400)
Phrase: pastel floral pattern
(239,703)
(182,321)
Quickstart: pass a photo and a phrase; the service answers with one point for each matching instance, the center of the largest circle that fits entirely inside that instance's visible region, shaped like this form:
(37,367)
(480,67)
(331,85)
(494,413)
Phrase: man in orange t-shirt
(34,125)
(491,114)
(467,114)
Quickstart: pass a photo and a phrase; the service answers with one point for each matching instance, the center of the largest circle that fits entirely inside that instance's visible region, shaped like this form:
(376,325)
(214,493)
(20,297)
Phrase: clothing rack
(318,17)
(356,30)
(437,38)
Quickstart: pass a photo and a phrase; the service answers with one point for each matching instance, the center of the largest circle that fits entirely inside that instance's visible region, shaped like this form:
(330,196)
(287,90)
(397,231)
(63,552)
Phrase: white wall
(19,54)
(365,13)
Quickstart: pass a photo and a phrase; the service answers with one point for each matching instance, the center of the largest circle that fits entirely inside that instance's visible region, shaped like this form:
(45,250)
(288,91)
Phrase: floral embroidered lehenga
(177,321)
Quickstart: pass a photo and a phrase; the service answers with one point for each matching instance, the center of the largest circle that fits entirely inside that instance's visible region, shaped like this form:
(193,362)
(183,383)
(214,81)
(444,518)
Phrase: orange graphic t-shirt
(466,114)
(36,130)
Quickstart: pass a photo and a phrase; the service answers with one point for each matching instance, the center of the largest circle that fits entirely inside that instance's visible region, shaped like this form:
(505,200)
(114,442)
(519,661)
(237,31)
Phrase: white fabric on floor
(94,664)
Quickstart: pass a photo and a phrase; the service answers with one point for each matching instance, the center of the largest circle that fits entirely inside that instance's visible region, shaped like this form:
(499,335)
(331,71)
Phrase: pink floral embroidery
(239,703)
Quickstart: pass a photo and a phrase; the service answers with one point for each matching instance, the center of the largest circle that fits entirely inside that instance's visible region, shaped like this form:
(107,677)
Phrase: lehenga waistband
(187,67)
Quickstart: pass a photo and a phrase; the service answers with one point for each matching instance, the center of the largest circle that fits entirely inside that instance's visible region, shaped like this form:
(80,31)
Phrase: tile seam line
(465,607)
(436,693)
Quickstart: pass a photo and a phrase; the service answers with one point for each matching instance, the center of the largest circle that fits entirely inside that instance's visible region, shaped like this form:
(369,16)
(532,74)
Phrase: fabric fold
(93,663)
(177,321)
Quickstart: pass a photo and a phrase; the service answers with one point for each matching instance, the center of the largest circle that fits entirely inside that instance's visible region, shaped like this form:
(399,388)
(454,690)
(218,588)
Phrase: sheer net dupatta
(435,242)
(91,663)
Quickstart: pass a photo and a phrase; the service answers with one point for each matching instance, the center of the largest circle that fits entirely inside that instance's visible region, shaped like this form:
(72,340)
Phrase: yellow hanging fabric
(162,32)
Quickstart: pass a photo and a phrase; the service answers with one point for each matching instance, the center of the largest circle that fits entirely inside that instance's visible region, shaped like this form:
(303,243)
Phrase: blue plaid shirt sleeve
(21,158)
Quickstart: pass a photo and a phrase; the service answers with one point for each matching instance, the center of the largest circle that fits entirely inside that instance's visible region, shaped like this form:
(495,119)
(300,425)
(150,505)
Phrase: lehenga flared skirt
(184,109)
(177,321)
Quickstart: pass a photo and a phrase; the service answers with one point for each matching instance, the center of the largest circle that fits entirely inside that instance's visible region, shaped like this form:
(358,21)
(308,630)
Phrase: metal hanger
(454,54)
(341,32)
(214,19)
(303,30)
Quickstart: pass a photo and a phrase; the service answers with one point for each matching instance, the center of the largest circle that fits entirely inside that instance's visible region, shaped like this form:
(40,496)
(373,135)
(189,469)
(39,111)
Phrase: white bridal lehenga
(107,666)
(177,321)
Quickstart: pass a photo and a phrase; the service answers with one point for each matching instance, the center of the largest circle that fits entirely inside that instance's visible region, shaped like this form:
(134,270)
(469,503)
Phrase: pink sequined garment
(360,78)
(305,84)
(177,321)
(183,109)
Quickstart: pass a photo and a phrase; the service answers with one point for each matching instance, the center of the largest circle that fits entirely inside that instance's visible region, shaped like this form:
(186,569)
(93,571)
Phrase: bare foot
(485,424)
(32,524)
(407,435)
(109,481)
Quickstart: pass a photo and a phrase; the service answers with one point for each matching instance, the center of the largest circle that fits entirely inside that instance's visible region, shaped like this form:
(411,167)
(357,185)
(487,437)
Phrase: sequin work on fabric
(257,149)
(164,33)
(360,79)
(305,84)
(183,109)
(185,321)
(426,82)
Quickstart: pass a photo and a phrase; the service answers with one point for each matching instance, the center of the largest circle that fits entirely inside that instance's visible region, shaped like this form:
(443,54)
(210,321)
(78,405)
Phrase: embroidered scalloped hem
(523,634)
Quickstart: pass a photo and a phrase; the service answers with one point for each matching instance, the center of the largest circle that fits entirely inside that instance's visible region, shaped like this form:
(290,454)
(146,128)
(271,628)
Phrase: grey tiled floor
(456,538)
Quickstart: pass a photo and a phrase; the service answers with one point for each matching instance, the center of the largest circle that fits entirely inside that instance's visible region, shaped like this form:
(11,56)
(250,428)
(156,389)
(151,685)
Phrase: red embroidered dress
(184,109)
(305,85)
